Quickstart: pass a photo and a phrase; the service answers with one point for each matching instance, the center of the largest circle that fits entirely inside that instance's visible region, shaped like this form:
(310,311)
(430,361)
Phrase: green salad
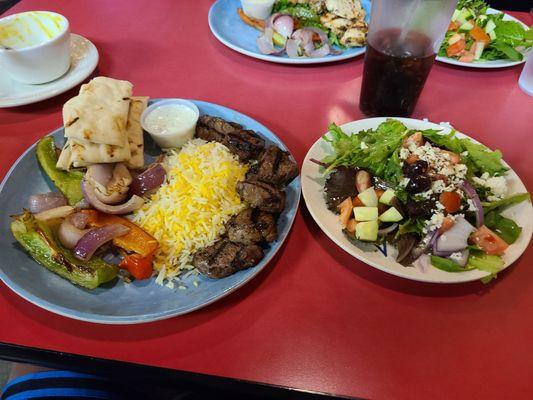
(436,197)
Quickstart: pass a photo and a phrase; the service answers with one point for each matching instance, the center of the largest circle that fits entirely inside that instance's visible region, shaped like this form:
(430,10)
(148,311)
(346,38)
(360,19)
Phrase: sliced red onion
(68,234)
(79,220)
(45,201)
(325,49)
(455,239)
(95,238)
(284,25)
(387,230)
(149,180)
(423,263)
(428,241)
(265,43)
(306,40)
(472,194)
(463,259)
(100,173)
(134,203)
(292,46)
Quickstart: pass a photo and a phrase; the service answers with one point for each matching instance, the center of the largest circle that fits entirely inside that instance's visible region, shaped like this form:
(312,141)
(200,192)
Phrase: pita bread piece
(135,132)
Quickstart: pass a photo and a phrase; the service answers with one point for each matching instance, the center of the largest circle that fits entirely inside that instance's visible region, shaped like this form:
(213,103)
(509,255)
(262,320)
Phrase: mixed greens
(438,197)
(474,35)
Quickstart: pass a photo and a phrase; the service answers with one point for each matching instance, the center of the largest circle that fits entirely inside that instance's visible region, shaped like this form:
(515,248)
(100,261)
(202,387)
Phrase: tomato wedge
(454,25)
(451,201)
(488,241)
(456,48)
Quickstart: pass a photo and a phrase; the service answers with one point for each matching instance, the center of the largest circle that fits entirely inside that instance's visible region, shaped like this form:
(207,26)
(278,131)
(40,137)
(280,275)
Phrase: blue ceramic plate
(228,27)
(118,302)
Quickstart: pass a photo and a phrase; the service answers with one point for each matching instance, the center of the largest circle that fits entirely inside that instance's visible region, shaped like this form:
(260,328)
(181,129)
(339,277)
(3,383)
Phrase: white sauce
(171,125)
(259,9)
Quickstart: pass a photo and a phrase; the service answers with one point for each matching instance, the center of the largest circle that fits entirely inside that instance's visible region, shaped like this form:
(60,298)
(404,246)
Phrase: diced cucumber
(467,26)
(465,14)
(455,14)
(365,213)
(367,231)
(369,197)
(492,35)
(479,50)
(454,38)
(490,26)
(391,215)
(387,197)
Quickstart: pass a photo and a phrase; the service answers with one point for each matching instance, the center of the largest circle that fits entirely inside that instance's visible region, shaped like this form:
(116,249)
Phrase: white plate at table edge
(79,70)
(312,190)
(278,59)
(492,63)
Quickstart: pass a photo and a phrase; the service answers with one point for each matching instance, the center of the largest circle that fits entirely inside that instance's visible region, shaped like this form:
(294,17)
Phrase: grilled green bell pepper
(68,182)
(39,240)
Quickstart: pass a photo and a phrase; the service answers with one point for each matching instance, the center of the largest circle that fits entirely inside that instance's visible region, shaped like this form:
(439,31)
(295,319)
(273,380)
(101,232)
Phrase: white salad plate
(313,192)
(230,30)
(491,63)
(84,58)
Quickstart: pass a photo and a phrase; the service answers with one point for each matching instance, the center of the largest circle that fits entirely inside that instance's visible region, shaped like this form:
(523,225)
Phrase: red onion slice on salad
(455,239)
(387,230)
(265,43)
(95,238)
(134,203)
(284,25)
(45,201)
(423,263)
(149,180)
(292,47)
(430,238)
(472,194)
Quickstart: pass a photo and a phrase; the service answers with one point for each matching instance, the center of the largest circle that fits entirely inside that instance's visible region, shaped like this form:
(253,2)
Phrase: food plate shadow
(388,281)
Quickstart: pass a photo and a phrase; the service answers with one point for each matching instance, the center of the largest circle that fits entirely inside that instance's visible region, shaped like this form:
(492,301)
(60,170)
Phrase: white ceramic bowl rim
(183,102)
(64,29)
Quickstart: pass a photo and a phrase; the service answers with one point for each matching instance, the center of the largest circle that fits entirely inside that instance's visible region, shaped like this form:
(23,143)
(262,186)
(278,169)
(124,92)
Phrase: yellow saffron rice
(189,210)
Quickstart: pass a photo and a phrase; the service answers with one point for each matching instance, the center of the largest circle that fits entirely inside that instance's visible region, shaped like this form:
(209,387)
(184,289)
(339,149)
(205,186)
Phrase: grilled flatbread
(135,131)
(99,113)
(85,153)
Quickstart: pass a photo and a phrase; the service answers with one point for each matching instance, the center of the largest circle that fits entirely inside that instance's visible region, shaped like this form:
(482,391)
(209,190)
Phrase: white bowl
(181,134)
(39,46)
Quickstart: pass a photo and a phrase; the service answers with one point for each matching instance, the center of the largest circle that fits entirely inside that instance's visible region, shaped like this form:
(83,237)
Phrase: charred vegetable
(39,240)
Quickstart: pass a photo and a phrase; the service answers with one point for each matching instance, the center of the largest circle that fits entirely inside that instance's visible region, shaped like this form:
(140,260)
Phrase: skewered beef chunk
(340,185)
(252,226)
(218,124)
(262,195)
(274,166)
(224,258)
(244,143)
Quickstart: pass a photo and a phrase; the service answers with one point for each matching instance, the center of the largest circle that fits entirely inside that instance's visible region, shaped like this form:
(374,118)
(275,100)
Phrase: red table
(316,318)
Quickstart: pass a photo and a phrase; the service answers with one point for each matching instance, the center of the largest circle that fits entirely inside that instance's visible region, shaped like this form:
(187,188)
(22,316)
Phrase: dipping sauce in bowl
(258,9)
(171,123)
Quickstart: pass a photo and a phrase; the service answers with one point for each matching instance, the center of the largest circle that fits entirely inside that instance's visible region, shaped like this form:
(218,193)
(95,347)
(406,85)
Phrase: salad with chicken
(310,28)
(437,198)
(475,35)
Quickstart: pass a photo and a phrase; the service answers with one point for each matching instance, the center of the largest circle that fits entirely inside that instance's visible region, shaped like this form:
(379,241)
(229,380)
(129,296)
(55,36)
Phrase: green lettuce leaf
(506,228)
(447,265)
(510,32)
(506,202)
(507,50)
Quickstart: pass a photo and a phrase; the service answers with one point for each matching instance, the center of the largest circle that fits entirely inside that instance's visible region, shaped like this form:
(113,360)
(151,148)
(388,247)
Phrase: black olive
(420,209)
(418,184)
(419,167)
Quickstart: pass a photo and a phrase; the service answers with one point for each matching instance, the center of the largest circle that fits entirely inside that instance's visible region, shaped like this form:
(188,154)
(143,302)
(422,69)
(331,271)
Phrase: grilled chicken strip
(224,258)
(262,195)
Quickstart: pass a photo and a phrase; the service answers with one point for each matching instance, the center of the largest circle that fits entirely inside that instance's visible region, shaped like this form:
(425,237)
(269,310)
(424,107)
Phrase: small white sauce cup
(38,46)
(178,137)
(258,9)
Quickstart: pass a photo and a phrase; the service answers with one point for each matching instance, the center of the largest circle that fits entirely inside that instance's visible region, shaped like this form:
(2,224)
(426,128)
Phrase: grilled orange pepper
(136,240)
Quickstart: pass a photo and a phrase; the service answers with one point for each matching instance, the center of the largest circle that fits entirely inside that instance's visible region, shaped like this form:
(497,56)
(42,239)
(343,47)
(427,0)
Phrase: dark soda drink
(395,71)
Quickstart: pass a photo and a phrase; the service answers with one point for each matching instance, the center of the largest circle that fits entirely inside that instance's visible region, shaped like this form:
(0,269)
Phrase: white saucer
(84,60)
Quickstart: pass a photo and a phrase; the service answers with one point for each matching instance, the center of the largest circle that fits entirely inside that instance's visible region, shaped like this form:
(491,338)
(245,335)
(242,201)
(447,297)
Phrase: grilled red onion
(149,180)
(111,182)
(132,204)
(95,238)
(472,194)
(387,230)
(100,173)
(82,205)
(284,25)
(79,220)
(265,43)
(68,234)
(45,201)
(54,213)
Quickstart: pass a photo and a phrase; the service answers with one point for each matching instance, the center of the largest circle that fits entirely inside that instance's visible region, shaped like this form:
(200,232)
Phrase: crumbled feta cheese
(496,184)
(438,186)
(435,222)
(404,153)
(456,256)
(471,205)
